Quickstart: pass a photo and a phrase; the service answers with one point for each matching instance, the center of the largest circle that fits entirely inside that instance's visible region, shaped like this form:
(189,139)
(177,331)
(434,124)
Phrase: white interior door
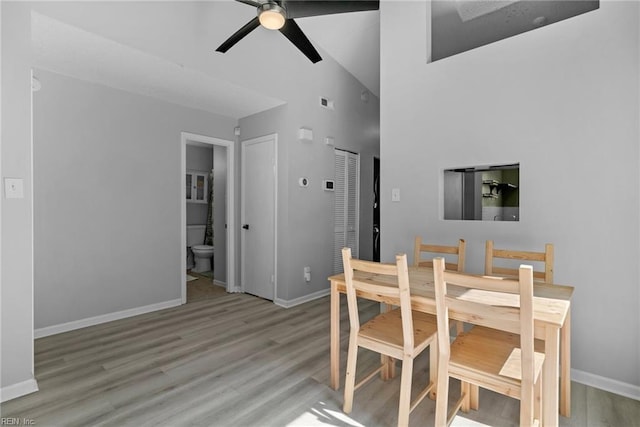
(258,264)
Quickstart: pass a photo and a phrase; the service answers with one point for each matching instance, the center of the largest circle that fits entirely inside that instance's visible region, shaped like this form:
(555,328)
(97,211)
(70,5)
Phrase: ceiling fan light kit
(279,14)
(271,16)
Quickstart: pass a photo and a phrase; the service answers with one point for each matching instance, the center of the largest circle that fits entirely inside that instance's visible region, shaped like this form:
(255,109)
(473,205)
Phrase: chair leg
(405,392)
(537,400)
(442,395)
(527,405)
(433,367)
(350,380)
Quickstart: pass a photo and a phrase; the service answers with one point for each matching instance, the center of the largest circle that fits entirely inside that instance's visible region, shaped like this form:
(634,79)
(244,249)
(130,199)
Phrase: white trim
(32,356)
(20,389)
(103,318)
(614,386)
(270,137)
(185,137)
(302,299)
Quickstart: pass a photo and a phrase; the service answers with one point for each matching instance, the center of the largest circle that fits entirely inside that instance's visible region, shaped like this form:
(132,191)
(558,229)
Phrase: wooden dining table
(552,324)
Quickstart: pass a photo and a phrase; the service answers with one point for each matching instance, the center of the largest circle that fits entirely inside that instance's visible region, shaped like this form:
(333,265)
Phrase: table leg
(474,396)
(335,336)
(389,370)
(565,367)
(550,377)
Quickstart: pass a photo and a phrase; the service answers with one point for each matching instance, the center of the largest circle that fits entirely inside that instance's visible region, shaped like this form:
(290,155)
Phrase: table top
(551,302)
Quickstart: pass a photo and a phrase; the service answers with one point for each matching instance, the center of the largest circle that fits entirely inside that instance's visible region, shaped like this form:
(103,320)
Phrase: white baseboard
(90,321)
(19,389)
(301,300)
(220,283)
(614,386)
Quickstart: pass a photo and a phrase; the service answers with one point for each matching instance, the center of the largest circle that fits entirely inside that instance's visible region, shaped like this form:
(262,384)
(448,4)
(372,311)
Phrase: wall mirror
(482,193)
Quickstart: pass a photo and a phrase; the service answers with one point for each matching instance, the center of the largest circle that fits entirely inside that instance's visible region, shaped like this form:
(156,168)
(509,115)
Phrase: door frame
(243,144)
(185,138)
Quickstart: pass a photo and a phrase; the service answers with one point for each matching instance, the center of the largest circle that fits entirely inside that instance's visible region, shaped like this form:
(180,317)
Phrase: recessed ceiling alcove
(461,25)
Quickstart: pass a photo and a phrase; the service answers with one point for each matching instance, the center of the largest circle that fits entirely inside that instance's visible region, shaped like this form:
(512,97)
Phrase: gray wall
(198,159)
(305,215)
(107,197)
(563,101)
(16,276)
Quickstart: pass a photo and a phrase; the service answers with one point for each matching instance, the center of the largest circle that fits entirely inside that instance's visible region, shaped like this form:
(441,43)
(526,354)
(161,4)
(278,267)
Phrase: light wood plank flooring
(237,360)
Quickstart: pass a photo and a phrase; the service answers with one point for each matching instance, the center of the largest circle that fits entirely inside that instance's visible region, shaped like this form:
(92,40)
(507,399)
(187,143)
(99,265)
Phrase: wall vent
(326,103)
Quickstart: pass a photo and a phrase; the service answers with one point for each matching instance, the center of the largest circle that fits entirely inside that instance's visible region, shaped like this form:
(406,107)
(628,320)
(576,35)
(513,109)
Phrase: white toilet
(202,254)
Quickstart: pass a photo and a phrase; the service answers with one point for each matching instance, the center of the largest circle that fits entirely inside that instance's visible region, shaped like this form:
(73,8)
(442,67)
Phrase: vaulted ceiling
(167,50)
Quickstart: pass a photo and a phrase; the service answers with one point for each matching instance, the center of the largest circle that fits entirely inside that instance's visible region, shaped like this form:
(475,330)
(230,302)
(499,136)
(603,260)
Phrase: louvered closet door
(347,198)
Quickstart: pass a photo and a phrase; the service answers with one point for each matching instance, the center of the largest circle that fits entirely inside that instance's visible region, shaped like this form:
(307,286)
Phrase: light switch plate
(13,188)
(395,195)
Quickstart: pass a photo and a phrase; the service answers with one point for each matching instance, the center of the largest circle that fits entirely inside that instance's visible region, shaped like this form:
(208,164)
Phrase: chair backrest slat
(374,267)
(370,286)
(419,248)
(496,284)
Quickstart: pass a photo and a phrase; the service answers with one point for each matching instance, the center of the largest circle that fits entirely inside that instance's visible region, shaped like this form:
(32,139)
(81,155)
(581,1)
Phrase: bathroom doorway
(193,163)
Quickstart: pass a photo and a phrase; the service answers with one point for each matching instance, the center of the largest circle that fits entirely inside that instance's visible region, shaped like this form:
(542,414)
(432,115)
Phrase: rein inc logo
(14,421)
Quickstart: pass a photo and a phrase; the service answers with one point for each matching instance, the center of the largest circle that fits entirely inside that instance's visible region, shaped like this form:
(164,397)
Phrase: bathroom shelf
(490,195)
(197,183)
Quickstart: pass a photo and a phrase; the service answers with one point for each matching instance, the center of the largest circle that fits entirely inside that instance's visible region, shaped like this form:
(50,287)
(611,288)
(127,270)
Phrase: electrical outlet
(307,274)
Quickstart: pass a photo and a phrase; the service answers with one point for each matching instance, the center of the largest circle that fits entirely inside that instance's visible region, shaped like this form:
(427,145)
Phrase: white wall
(16,279)
(107,198)
(563,101)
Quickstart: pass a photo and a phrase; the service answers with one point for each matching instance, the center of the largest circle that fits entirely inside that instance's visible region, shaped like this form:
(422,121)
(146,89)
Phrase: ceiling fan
(279,14)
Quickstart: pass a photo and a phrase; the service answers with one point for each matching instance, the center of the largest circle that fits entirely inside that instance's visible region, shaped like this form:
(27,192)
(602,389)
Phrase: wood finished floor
(237,360)
(202,288)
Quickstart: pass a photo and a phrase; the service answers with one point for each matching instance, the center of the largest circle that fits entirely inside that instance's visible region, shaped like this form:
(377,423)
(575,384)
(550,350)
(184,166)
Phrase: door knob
(246,226)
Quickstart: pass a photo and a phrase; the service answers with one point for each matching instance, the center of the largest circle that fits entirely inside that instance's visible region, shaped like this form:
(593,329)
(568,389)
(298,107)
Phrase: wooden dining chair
(420,248)
(498,353)
(400,333)
(546,257)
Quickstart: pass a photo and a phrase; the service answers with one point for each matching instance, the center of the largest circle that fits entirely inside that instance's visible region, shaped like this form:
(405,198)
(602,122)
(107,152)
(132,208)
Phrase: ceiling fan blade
(303,8)
(292,31)
(250,2)
(238,35)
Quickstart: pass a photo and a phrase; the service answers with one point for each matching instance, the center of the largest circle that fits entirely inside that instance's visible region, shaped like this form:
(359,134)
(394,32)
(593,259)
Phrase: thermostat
(303,182)
(328,185)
